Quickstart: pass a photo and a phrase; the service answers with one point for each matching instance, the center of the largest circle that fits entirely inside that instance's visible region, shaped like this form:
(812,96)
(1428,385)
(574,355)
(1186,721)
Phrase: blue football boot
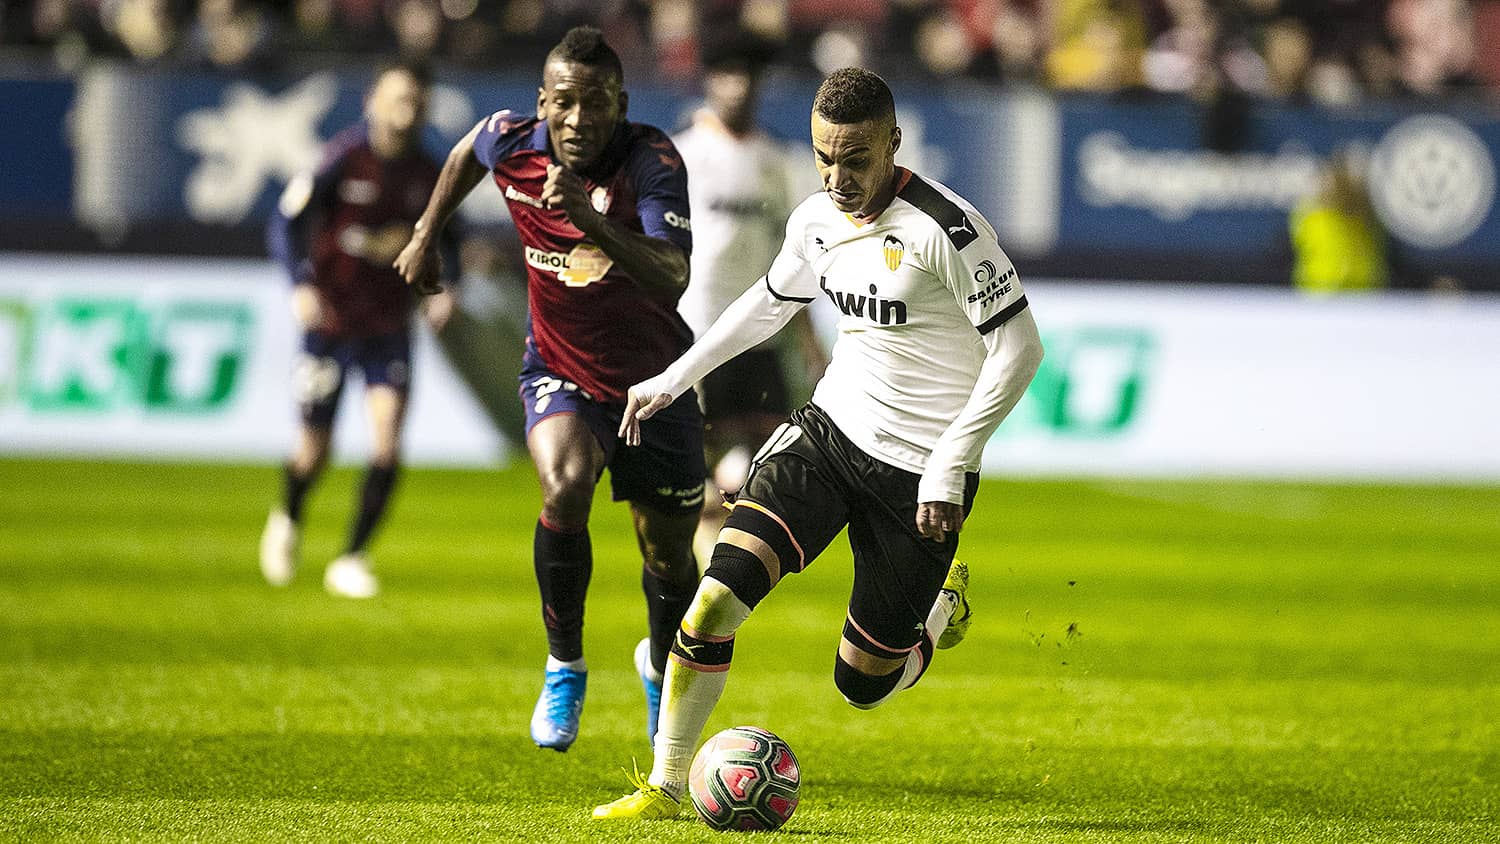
(652,687)
(554,722)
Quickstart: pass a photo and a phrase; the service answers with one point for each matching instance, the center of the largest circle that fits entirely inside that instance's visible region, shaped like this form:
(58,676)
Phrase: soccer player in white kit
(936,344)
(740,199)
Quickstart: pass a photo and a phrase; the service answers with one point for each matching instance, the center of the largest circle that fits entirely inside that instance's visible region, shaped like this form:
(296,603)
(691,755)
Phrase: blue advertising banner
(217,151)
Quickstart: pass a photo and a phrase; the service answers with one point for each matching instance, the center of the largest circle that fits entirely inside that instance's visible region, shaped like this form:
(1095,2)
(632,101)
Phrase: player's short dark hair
(419,71)
(853,95)
(585,45)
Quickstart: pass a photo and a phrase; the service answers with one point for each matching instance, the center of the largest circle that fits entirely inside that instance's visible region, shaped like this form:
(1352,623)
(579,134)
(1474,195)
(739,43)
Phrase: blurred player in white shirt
(740,195)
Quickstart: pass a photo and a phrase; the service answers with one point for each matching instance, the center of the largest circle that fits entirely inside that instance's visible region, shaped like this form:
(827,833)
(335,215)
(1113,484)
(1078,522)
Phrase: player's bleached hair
(585,45)
(853,95)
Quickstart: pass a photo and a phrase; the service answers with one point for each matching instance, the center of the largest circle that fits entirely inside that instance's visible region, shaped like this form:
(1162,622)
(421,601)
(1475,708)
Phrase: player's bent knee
(715,610)
(743,572)
(677,573)
(566,501)
(667,545)
(861,690)
(566,483)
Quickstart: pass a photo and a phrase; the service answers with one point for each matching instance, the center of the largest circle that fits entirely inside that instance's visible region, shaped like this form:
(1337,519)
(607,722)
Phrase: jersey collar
(903,176)
(539,137)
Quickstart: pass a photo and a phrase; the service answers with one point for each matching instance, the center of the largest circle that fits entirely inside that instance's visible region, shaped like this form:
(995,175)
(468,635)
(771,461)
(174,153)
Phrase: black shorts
(812,482)
(324,366)
(750,383)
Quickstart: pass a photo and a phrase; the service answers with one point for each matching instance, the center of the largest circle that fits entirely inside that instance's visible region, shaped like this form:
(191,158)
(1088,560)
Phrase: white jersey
(740,199)
(916,288)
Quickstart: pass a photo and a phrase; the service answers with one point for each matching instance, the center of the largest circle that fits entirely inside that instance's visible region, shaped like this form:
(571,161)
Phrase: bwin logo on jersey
(871,307)
(894,249)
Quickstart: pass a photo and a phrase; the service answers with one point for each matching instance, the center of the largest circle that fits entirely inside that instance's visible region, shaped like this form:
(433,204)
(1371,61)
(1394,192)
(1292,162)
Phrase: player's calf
(868,673)
(861,690)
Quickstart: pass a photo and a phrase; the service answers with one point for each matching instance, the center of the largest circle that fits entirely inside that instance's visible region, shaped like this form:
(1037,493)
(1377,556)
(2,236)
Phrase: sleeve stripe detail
(767,280)
(1003,317)
(930,201)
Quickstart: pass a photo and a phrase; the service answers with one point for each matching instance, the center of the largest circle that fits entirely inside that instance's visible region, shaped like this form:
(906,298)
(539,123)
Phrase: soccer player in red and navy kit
(336,231)
(601,207)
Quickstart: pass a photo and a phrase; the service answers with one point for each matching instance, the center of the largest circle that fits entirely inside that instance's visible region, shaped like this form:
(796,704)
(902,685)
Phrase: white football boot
(350,577)
(278,548)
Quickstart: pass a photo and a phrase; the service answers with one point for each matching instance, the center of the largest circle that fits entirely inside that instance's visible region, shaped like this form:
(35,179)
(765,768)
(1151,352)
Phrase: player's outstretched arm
(659,266)
(749,320)
(419,262)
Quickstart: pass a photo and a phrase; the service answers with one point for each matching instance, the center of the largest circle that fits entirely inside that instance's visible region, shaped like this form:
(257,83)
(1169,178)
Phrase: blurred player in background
(935,347)
(1338,243)
(741,198)
(601,208)
(336,231)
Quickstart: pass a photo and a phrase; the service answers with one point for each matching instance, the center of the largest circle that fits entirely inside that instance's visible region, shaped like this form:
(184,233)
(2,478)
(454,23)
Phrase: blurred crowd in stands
(1332,52)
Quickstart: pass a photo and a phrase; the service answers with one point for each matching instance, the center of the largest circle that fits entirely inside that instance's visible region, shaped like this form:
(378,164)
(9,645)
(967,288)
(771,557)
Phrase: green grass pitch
(1149,662)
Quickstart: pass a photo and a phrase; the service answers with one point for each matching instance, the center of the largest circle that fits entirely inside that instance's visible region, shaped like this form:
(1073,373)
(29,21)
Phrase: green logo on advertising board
(85,354)
(1090,385)
(197,354)
(95,355)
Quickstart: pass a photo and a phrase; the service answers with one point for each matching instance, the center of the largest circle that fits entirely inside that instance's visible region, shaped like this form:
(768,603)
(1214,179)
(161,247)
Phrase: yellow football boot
(958,624)
(647,803)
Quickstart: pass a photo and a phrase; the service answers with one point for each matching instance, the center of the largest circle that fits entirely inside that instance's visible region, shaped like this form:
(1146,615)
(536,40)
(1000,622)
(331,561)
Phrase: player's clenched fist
(420,264)
(641,403)
(564,189)
(936,519)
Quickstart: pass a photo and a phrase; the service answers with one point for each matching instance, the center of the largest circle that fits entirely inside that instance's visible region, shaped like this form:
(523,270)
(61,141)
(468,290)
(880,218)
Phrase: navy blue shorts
(324,365)
(665,472)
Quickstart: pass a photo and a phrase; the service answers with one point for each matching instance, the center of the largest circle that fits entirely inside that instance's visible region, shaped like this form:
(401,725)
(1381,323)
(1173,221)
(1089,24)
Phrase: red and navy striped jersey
(589,322)
(340,227)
